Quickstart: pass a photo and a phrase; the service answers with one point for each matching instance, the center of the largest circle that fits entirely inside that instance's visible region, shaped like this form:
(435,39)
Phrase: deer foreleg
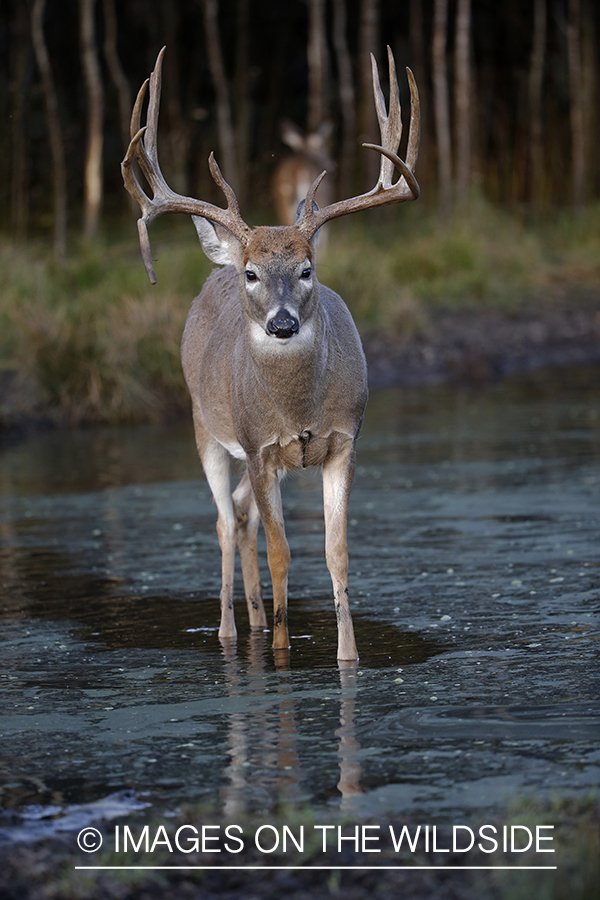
(247,526)
(215,462)
(338,472)
(265,486)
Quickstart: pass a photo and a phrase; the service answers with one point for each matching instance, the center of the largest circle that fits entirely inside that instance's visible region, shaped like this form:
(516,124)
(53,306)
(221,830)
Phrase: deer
(272,359)
(295,174)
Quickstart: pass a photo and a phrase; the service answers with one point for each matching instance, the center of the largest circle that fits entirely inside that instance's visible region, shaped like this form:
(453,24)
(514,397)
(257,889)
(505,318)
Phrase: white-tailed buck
(295,174)
(272,359)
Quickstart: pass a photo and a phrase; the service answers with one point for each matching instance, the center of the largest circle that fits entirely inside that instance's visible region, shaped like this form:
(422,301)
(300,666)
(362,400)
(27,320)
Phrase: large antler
(143,147)
(384,192)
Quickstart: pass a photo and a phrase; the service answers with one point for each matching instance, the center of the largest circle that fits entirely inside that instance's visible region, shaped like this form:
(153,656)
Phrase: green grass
(577,858)
(47,870)
(393,275)
(95,342)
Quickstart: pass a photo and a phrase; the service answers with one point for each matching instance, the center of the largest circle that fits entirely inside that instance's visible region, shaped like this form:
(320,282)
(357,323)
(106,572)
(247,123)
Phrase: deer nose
(283,324)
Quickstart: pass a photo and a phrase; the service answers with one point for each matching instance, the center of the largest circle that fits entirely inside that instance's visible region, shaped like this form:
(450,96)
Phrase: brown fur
(279,405)
(268,243)
(273,361)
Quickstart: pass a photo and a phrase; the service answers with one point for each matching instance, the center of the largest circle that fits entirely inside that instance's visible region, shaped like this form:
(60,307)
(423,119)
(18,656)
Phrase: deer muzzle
(283,324)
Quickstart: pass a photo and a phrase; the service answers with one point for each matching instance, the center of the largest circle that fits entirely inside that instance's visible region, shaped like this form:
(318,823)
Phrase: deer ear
(292,136)
(216,241)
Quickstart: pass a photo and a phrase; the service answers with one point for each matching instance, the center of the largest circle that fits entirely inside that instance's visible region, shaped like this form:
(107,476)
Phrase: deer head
(143,147)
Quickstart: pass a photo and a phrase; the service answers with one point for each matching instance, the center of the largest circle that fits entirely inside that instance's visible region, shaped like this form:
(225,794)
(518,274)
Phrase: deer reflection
(264,768)
(349,748)
(262,737)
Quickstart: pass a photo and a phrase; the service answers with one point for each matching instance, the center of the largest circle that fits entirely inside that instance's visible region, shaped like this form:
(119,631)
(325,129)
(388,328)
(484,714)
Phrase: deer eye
(306,274)
(250,276)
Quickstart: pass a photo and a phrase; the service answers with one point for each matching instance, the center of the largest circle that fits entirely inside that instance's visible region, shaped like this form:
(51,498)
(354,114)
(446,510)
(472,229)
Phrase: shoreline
(485,347)
(454,347)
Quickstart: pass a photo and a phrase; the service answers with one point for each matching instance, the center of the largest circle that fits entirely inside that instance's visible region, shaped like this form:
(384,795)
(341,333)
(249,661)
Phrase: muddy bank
(442,872)
(463,347)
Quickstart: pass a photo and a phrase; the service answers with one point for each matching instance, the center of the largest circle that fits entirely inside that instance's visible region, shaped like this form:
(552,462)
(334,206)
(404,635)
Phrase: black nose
(283,324)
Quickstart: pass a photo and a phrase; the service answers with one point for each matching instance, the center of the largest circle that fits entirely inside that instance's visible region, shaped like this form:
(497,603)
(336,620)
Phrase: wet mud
(480,347)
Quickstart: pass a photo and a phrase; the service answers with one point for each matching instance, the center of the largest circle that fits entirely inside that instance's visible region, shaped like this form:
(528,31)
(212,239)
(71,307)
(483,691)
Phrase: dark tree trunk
(317,66)
(417,54)
(224,118)
(178,137)
(242,91)
(441,105)
(55,137)
(462,97)
(368,128)
(347,98)
(92,186)
(576,103)
(116,70)
(19,199)
(536,79)
(589,78)
(276,98)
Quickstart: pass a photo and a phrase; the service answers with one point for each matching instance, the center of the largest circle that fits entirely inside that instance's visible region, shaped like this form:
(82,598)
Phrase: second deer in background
(295,174)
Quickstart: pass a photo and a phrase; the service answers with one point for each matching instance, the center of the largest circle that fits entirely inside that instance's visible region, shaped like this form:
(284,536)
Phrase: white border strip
(311,868)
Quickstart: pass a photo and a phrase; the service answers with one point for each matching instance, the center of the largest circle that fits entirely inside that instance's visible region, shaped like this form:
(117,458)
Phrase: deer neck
(292,372)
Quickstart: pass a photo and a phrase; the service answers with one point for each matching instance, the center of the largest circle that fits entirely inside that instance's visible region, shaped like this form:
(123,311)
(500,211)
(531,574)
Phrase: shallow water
(474,535)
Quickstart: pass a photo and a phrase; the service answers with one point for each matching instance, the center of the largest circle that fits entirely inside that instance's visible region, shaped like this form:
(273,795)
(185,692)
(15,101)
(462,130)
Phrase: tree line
(509,96)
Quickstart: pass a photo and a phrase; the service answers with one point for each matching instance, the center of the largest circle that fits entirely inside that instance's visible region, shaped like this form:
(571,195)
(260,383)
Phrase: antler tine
(147,150)
(384,192)
(390,124)
(143,147)
(310,197)
(412,151)
(217,175)
(154,105)
(135,189)
(131,182)
(136,113)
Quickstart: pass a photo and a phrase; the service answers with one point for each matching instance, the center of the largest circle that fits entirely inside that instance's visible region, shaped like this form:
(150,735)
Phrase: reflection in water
(542,414)
(262,739)
(265,768)
(92,459)
(349,748)
(44,583)
(474,545)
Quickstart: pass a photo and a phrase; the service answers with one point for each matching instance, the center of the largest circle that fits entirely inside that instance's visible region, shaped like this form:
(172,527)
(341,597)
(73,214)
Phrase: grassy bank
(94,342)
(47,870)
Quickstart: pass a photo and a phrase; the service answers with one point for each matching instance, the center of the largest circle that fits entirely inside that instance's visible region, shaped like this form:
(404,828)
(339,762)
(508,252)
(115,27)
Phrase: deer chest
(302,450)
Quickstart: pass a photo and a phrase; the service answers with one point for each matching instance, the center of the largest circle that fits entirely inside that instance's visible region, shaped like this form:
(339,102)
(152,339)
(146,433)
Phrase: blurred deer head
(295,174)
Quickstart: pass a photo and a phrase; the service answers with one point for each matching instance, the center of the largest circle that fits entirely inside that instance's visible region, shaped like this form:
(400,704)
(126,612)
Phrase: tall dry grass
(395,272)
(95,342)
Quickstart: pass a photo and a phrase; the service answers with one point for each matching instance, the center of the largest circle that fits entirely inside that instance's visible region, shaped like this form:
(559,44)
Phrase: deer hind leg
(265,487)
(248,520)
(338,472)
(215,462)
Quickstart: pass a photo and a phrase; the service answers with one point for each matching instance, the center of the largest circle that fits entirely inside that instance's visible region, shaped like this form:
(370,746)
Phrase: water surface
(474,533)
